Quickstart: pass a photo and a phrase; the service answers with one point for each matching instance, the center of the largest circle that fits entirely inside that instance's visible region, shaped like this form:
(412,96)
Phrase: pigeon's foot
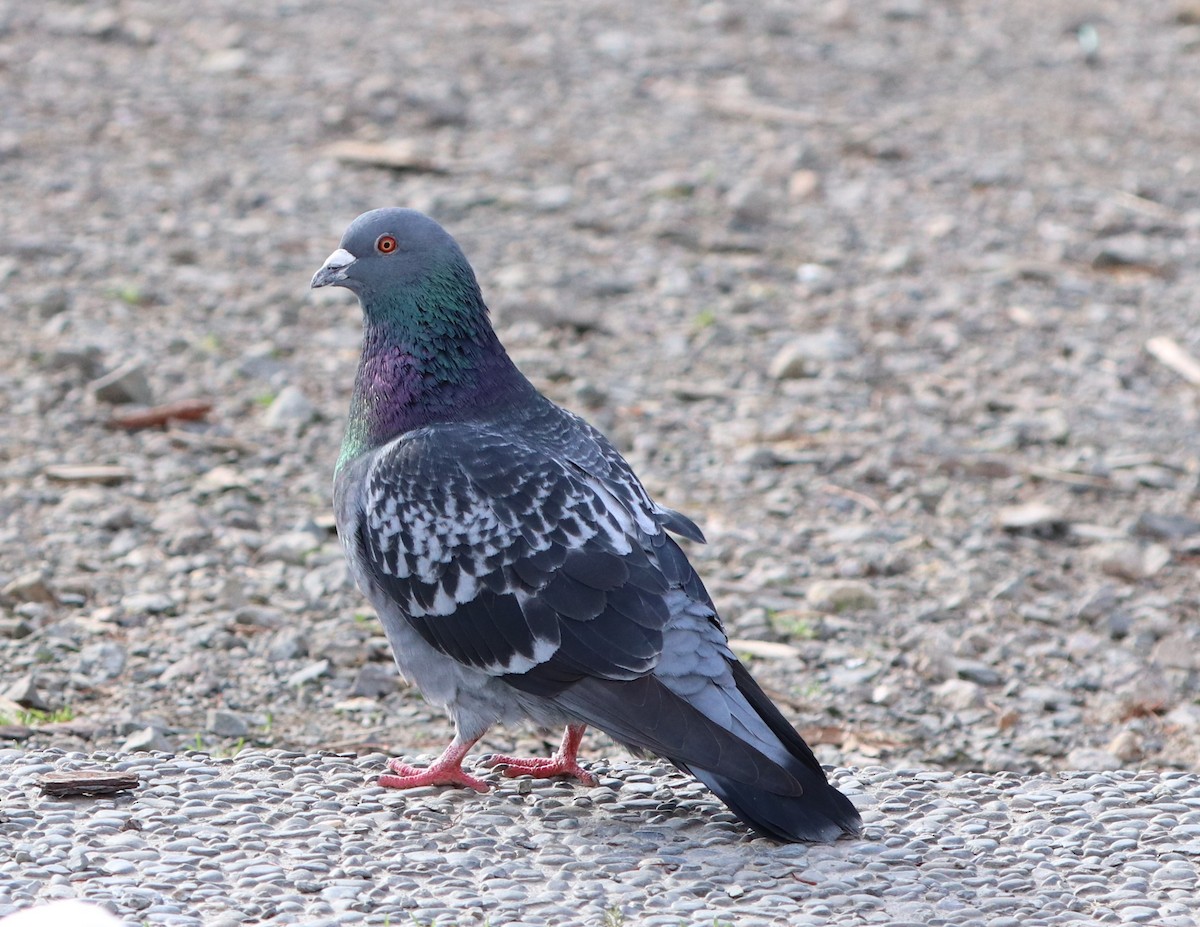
(563,763)
(445,770)
(540,768)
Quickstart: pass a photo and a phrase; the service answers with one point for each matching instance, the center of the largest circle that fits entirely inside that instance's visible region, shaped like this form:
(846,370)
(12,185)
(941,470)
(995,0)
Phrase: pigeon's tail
(770,778)
(820,813)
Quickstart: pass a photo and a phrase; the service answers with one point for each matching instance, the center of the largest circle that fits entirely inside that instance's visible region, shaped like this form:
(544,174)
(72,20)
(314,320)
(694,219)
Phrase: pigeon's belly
(440,679)
(475,699)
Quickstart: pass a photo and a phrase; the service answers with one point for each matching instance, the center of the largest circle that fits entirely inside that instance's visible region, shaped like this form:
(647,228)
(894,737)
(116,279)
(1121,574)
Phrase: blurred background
(896,298)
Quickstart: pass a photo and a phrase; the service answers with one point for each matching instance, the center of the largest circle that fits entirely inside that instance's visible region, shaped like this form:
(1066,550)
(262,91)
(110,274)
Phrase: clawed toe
(411,778)
(401,768)
(513,766)
(445,770)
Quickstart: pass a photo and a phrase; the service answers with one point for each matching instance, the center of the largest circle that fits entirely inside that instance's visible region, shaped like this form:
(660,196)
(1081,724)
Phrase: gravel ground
(897,299)
(277,838)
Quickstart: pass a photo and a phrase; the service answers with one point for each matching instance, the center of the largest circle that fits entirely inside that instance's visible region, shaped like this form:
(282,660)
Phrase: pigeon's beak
(333,271)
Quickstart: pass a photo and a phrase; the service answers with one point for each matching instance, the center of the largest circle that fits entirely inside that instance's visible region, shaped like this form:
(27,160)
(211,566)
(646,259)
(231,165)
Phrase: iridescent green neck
(429,354)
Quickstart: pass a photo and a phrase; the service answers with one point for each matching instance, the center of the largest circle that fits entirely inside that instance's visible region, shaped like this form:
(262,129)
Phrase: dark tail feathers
(821,814)
(789,801)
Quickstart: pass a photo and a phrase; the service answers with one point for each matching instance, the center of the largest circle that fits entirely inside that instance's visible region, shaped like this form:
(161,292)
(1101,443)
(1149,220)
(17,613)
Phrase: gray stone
(321,582)
(1178,650)
(308,673)
(841,595)
(959,694)
(375,680)
(1160,527)
(259,616)
(750,203)
(290,409)
(24,691)
(978,672)
(1047,698)
(53,303)
(552,199)
(1126,746)
(1129,561)
(290,547)
(148,739)
(15,628)
(1090,758)
(148,603)
(1185,716)
(807,355)
(225,723)
(102,661)
(816,278)
(1131,250)
(1098,603)
(899,259)
(1118,624)
(29,587)
(287,644)
(86,360)
(127,383)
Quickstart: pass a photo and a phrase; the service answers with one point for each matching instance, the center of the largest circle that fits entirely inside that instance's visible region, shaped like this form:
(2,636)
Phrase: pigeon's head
(386,250)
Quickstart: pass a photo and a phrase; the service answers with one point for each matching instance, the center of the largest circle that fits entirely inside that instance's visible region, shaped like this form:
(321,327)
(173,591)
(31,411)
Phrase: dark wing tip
(680,524)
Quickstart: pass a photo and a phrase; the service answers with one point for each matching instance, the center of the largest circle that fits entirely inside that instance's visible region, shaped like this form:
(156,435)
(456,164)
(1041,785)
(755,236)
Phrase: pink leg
(563,763)
(445,770)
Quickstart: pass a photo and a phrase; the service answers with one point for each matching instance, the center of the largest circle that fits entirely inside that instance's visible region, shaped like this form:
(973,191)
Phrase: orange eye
(386,244)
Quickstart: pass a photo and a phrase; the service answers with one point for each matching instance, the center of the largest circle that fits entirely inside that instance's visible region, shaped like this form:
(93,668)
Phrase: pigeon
(520,570)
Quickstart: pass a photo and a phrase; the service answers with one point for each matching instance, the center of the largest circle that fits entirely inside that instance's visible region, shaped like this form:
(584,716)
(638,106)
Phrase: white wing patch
(452,535)
(619,524)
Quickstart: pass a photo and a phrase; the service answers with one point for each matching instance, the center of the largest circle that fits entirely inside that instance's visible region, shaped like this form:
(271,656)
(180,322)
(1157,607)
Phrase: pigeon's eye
(385,244)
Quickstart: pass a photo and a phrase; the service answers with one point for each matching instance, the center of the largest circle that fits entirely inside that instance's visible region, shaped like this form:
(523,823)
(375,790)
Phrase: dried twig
(864,500)
(1143,205)
(1168,352)
(160,416)
(396,155)
(1054,475)
(108,475)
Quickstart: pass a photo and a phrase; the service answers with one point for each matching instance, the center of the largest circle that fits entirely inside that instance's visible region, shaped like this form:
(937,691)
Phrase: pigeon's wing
(555,574)
(515,561)
(582,443)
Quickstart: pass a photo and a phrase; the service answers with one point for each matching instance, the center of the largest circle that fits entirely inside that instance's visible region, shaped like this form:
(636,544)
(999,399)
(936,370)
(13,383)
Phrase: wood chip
(88,473)
(768,649)
(826,734)
(160,416)
(869,743)
(398,155)
(1034,518)
(1168,352)
(84,782)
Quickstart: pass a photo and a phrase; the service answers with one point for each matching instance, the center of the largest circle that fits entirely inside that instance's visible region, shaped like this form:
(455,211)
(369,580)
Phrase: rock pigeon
(519,567)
